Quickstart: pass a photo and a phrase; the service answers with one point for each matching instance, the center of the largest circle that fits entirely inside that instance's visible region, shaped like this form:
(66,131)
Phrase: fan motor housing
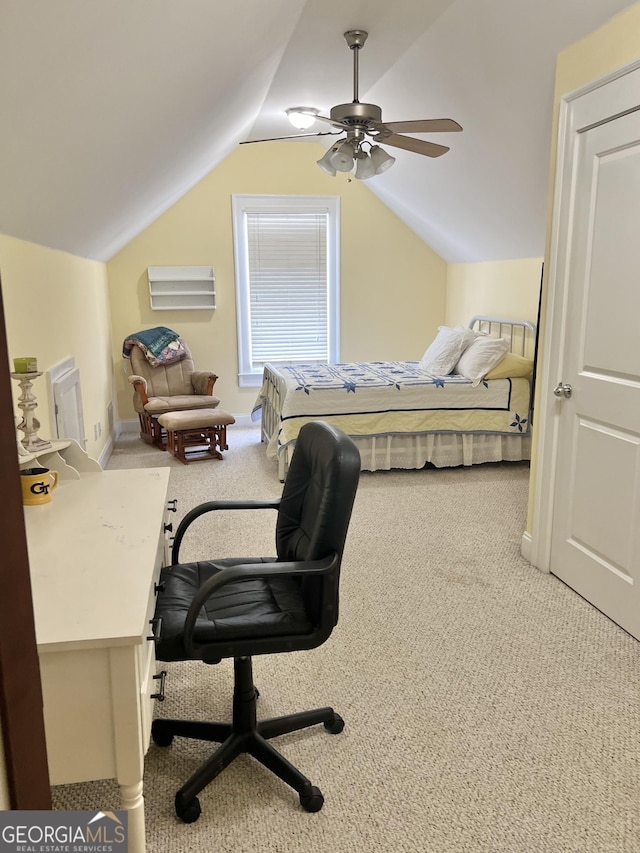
(356,114)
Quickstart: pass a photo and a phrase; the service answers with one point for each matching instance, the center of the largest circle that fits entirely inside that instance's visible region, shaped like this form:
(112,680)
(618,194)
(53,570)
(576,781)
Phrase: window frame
(242,204)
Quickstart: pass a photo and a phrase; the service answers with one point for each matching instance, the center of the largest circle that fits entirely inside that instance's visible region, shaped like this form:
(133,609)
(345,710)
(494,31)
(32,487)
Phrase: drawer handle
(172,506)
(156,627)
(160,694)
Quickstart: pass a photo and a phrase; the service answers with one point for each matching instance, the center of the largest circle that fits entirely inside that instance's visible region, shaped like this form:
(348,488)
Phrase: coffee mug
(37,485)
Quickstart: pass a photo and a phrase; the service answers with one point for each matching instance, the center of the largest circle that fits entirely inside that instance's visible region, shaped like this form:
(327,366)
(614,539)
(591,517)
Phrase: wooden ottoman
(197,433)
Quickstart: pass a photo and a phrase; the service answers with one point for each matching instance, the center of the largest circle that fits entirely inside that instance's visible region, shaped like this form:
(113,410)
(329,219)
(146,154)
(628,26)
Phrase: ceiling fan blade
(429,125)
(419,146)
(295,136)
(332,121)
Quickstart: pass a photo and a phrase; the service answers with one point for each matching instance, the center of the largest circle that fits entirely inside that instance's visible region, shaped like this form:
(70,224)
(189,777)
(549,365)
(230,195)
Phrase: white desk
(95,552)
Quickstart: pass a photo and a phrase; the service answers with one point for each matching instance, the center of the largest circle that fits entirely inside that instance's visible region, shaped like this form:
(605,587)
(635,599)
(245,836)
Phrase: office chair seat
(268,606)
(240,607)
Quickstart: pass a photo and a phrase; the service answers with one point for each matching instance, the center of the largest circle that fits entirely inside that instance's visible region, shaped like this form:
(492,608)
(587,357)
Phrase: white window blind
(288,286)
(286,251)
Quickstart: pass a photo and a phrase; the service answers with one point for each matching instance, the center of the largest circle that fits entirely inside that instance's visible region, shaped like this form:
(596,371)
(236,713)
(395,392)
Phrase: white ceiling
(111,110)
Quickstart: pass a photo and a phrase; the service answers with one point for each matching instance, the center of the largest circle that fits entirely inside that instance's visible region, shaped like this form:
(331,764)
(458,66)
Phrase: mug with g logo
(37,485)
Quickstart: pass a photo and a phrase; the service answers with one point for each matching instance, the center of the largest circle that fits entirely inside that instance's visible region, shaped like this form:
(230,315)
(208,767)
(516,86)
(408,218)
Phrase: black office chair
(239,607)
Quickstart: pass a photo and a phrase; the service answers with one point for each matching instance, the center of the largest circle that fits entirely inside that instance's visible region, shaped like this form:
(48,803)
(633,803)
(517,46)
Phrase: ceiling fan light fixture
(364,166)
(342,157)
(358,120)
(325,162)
(302,117)
(381,160)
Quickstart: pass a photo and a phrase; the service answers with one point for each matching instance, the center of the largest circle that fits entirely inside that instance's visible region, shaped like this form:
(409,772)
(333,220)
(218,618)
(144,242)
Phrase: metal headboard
(521,333)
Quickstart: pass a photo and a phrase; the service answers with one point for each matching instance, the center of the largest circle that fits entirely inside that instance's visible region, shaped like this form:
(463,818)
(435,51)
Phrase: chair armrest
(249,571)
(202,382)
(212,506)
(140,385)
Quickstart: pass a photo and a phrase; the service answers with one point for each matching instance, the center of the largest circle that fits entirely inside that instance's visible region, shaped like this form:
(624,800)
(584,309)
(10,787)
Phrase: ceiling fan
(362,125)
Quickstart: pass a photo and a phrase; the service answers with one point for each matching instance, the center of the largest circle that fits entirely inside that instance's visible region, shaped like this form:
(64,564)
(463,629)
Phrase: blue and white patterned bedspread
(378,397)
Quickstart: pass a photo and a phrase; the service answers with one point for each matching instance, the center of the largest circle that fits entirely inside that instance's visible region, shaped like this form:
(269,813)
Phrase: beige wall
(500,288)
(393,287)
(56,306)
(615,44)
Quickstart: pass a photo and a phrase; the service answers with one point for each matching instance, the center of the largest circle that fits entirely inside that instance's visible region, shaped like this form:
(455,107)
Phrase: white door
(67,398)
(595,529)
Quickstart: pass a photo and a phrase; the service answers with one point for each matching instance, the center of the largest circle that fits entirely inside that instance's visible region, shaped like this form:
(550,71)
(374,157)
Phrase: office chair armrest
(202,382)
(140,384)
(250,571)
(212,506)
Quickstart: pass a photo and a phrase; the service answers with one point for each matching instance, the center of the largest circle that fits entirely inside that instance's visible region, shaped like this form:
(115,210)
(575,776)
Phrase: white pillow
(483,354)
(442,355)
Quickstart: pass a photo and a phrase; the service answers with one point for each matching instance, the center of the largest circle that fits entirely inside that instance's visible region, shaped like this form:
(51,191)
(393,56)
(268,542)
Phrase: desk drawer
(150,684)
(148,687)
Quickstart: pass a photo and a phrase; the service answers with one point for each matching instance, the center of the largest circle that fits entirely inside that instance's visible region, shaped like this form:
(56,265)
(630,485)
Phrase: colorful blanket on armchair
(159,345)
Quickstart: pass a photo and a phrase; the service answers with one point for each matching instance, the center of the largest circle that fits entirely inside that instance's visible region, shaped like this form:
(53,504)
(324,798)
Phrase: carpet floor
(488,708)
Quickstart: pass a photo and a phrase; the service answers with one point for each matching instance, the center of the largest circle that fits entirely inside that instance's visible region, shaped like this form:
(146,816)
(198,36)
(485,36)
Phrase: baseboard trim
(243,421)
(526,545)
(106,452)
(127,425)
(528,552)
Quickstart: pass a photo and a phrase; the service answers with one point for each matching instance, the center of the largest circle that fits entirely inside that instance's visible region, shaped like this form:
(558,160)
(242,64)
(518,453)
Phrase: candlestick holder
(29,424)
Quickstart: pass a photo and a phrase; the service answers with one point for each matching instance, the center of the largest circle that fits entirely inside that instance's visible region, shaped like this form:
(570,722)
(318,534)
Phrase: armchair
(167,388)
(240,607)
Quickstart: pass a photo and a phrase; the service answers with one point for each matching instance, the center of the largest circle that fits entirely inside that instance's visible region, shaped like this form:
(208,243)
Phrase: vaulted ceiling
(111,110)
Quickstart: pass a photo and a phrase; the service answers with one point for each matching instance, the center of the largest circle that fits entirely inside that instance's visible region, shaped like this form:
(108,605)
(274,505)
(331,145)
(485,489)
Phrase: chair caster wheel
(160,737)
(312,801)
(188,812)
(335,726)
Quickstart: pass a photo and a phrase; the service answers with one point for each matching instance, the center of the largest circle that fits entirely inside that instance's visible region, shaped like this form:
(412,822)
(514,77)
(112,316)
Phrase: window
(287,267)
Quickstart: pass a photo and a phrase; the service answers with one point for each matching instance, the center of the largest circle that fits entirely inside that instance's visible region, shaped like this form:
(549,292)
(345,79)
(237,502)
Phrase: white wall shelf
(181,288)
(65,456)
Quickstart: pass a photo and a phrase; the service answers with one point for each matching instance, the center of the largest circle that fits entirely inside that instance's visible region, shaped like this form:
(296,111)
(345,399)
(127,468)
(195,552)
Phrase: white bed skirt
(444,450)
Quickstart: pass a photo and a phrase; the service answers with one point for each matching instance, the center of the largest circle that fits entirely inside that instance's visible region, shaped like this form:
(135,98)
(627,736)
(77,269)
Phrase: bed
(401,417)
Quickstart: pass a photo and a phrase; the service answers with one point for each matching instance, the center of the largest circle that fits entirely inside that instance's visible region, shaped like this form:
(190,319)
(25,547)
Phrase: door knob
(563,389)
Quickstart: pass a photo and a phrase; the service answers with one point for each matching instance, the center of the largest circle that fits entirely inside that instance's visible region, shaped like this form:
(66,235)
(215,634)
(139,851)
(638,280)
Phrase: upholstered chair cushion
(172,387)
(166,380)
(160,405)
(194,418)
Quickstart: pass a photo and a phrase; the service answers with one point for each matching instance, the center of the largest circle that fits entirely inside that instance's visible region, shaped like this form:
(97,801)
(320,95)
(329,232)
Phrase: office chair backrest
(316,504)
(318,494)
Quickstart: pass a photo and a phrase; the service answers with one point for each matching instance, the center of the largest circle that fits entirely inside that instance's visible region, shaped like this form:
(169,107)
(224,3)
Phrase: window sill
(250,380)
